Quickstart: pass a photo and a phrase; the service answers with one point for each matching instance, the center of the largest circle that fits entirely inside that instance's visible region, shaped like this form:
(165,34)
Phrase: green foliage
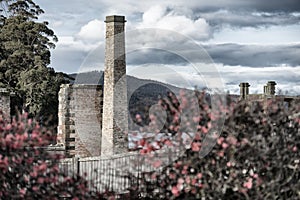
(24,56)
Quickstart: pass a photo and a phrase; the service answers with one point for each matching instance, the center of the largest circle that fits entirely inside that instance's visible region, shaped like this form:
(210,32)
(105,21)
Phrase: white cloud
(159,17)
(71,43)
(92,32)
(154,14)
(263,35)
(57,23)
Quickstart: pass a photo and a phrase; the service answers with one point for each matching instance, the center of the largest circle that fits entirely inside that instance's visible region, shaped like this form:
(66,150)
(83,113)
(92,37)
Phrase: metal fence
(119,172)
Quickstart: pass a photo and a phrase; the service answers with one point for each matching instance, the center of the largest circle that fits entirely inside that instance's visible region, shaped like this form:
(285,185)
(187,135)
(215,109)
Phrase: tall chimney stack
(115,114)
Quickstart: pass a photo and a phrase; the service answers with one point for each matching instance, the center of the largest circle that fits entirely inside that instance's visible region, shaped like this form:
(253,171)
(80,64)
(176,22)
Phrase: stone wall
(5,102)
(80,117)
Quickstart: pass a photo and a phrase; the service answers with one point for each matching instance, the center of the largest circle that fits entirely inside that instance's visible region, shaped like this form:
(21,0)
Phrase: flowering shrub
(256,156)
(28,171)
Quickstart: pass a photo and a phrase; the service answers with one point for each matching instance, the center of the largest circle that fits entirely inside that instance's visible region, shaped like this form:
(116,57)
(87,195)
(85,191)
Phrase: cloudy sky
(185,42)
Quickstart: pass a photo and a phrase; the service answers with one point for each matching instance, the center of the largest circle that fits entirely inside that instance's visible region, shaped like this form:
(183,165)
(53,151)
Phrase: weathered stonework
(80,113)
(115,114)
(5,102)
(269,89)
(244,90)
(83,109)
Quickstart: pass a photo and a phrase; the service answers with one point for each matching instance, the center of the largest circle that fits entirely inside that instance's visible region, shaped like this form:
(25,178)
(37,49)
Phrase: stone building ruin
(269,90)
(90,123)
(80,118)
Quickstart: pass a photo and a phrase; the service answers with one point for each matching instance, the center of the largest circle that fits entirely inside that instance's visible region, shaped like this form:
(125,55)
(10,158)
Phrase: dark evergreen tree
(25,45)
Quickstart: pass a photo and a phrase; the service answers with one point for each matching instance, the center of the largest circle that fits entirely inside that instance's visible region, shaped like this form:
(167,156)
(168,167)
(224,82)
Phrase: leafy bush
(28,170)
(256,156)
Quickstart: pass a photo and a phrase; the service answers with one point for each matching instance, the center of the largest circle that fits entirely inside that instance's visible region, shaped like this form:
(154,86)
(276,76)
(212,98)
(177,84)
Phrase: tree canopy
(24,56)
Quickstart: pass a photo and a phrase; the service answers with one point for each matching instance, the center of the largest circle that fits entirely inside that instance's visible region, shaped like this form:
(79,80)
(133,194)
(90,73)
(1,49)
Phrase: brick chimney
(115,114)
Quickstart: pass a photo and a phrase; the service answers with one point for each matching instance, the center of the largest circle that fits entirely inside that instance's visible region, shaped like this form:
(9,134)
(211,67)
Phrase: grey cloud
(255,55)
(242,5)
(275,5)
(227,54)
(156,56)
(238,13)
(248,19)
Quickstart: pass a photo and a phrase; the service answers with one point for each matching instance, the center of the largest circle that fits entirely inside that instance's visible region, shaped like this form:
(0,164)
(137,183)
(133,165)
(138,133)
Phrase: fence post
(76,165)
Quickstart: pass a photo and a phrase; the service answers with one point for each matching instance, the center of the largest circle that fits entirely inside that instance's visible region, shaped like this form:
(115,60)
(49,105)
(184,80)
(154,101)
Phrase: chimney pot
(244,90)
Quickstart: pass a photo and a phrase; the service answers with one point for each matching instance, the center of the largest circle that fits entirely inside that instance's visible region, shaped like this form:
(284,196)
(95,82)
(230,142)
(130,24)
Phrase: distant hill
(142,94)
(89,78)
(149,87)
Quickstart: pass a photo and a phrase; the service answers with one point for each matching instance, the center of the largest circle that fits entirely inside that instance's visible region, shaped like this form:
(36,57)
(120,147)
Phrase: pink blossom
(157,163)
(259,181)
(294,149)
(40,180)
(228,164)
(209,125)
(204,130)
(33,174)
(43,167)
(111,198)
(213,162)
(224,145)
(231,140)
(220,140)
(180,184)
(196,119)
(23,191)
(34,134)
(212,116)
(188,180)
(194,181)
(8,127)
(168,143)
(248,184)
(178,164)
(199,175)
(255,175)
(4,163)
(172,175)
(196,146)
(244,141)
(175,191)
(152,117)
(221,153)
(9,138)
